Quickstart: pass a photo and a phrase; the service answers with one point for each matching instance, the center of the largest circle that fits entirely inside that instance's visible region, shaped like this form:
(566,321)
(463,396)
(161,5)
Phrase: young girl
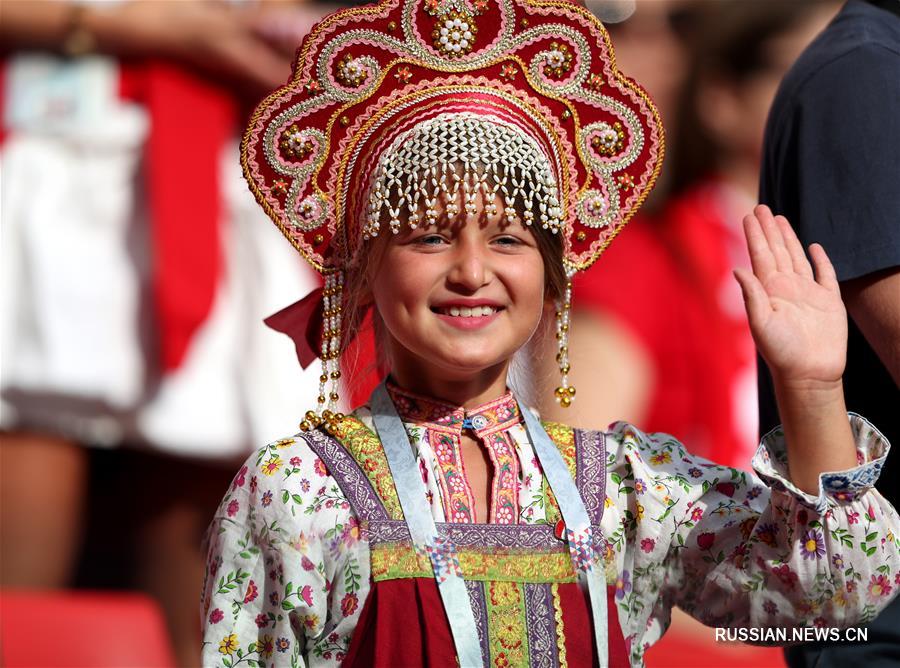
(451,164)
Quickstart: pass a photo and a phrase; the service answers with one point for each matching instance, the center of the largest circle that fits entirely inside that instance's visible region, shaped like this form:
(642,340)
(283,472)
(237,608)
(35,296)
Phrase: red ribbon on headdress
(302,322)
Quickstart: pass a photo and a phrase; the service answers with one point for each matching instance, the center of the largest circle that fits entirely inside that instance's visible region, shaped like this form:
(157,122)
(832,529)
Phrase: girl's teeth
(470,312)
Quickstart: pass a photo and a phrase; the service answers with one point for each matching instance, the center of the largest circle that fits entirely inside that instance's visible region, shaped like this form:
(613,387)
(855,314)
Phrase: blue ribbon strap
(440,550)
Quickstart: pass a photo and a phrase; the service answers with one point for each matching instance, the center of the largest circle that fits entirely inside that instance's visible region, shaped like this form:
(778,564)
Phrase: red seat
(689,644)
(81,628)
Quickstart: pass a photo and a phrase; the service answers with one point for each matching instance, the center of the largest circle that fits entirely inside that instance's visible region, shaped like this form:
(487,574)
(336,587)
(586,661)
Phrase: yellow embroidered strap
(365,447)
(392,561)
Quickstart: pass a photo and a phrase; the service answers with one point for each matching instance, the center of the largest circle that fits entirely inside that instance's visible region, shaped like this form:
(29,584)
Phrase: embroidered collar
(495,415)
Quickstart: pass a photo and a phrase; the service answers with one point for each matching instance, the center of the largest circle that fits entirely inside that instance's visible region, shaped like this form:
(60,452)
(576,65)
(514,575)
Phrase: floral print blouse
(289,569)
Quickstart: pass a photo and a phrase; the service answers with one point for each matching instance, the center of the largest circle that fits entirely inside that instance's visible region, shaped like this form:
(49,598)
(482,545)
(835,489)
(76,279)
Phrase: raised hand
(797,318)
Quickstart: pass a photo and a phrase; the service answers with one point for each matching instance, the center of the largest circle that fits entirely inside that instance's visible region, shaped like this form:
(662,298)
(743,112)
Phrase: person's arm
(738,551)
(800,327)
(43,25)
(286,577)
(874,304)
(211,36)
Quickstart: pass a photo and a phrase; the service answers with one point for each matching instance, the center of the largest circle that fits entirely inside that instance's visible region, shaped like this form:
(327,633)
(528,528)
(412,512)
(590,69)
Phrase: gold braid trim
(560,631)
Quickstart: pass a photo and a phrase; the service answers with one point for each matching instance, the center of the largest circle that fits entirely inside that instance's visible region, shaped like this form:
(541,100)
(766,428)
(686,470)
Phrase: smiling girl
(449,166)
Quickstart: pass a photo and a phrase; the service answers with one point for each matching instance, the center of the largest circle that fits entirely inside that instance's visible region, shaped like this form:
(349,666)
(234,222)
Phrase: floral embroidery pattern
(399,560)
(504,493)
(439,430)
(508,635)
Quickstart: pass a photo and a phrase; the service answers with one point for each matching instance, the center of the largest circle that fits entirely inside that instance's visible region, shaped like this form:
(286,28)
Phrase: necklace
(441,551)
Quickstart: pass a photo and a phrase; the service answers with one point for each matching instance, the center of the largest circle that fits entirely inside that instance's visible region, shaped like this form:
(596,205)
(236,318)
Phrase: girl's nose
(469,271)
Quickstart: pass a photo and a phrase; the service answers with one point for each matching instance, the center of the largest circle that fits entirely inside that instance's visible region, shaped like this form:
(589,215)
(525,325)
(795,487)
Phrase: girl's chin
(466,363)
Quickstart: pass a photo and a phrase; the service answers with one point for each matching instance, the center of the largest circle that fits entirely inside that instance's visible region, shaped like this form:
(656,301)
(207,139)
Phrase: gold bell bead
(571,391)
(306,425)
(560,392)
(334,396)
(565,368)
(565,402)
(333,423)
(335,374)
(323,377)
(311,416)
(321,399)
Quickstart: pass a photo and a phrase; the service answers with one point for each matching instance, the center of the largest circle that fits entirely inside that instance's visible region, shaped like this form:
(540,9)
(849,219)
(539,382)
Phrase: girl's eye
(430,240)
(508,241)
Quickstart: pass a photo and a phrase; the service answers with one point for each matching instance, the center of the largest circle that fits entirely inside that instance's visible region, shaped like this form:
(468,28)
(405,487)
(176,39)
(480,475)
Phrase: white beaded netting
(447,163)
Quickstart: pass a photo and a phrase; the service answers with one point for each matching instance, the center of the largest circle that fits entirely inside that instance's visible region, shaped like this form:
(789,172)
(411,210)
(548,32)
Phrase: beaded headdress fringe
(450,162)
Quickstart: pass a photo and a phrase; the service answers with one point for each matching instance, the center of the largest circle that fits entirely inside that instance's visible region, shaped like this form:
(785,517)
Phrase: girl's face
(461,297)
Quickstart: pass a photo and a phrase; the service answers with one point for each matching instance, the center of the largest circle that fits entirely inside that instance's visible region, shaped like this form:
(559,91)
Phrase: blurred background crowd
(136,270)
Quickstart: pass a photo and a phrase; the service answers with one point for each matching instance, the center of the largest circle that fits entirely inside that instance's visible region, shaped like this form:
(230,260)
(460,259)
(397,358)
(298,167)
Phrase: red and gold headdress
(392,107)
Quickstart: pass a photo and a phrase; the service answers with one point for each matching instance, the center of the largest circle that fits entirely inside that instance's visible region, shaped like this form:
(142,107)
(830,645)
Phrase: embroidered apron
(529,607)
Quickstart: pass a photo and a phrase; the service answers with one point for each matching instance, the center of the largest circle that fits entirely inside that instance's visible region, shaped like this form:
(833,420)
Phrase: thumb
(756,300)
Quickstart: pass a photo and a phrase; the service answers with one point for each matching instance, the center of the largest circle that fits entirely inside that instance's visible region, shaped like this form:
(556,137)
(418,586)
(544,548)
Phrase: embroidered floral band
(399,560)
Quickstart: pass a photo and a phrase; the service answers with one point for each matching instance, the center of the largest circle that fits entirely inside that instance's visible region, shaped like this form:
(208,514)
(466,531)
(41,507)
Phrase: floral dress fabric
(289,562)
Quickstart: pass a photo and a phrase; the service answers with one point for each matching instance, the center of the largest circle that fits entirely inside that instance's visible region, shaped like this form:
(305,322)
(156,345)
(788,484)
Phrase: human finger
(756,300)
(825,273)
(794,248)
(761,258)
(773,237)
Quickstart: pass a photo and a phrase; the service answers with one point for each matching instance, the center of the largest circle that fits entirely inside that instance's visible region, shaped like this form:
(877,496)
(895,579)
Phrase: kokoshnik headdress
(400,110)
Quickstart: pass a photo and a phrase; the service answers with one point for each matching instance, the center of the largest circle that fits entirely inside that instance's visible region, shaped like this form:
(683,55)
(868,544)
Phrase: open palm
(797,318)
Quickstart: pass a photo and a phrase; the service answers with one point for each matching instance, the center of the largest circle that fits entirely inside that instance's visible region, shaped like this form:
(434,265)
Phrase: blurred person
(830,163)
(637,348)
(739,54)
(135,274)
